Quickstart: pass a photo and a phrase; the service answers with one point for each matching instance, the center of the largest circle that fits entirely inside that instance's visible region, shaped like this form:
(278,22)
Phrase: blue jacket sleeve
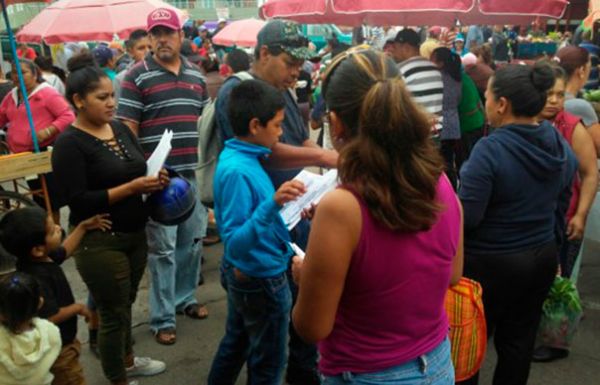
(319,110)
(222,108)
(242,224)
(476,183)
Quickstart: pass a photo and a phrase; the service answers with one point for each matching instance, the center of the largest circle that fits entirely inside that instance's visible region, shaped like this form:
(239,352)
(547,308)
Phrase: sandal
(196,311)
(210,240)
(165,336)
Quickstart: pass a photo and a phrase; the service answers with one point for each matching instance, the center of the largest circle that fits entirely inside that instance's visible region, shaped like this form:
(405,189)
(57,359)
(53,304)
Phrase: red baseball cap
(165,17)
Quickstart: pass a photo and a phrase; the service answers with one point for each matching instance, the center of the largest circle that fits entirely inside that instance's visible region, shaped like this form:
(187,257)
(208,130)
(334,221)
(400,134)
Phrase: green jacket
(470,109)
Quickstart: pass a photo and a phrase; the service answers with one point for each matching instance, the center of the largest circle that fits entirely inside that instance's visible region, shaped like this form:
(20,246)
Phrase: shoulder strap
(243,75)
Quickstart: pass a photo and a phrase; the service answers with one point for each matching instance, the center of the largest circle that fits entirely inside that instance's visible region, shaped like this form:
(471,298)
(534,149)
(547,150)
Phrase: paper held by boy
(159,155)
(297,250)
(316,187)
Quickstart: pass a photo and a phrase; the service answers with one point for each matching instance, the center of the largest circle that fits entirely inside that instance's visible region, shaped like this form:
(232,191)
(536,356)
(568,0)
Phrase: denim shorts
(433,368)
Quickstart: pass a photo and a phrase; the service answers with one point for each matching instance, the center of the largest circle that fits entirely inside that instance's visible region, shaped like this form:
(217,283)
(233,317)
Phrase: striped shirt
(158,99)
(424,81)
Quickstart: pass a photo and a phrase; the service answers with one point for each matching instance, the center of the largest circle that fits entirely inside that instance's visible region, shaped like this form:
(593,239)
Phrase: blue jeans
(433,368)
(256,331)
(174,254)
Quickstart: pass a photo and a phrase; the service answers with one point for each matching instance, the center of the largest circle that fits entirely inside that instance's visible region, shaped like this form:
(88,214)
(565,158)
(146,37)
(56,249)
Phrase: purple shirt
(392,308)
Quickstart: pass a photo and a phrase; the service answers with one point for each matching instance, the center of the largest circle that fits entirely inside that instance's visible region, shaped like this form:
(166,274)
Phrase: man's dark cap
(408,36)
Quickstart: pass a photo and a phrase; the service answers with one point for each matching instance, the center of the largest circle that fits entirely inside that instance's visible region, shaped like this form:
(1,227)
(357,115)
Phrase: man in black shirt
(35,240)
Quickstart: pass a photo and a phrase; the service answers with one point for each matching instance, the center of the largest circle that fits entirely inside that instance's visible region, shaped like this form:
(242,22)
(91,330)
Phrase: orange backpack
(468,334)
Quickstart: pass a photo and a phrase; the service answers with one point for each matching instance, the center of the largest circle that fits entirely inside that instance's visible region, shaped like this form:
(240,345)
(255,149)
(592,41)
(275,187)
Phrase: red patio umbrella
(241,33)
(412,12)
(90,20)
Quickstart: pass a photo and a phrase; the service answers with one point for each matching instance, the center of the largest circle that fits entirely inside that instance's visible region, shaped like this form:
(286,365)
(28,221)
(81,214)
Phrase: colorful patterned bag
(468,334)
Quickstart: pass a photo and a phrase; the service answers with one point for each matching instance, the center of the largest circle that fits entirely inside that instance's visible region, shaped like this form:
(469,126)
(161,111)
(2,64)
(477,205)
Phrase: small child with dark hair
(138,46)
(257,254)
(237,60)
(29,345)
(35,240)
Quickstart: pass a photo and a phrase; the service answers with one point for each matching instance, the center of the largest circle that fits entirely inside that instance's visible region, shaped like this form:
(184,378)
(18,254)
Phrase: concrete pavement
(189,360)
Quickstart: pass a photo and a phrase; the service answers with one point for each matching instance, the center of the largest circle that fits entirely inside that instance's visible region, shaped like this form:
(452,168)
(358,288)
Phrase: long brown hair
(389,159)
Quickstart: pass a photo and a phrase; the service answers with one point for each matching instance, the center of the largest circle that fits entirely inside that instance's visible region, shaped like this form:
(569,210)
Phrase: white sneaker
(133,382)
(145,366)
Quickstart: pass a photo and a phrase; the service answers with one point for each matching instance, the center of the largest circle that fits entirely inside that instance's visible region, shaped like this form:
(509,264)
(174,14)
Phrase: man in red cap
(166,91)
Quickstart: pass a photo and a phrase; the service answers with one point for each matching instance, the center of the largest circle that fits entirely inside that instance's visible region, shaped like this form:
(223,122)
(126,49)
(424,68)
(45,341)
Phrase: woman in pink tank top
(385,246)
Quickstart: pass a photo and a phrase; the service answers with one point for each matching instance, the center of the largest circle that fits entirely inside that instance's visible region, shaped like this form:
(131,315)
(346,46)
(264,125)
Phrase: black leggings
(449,149)
(514,288)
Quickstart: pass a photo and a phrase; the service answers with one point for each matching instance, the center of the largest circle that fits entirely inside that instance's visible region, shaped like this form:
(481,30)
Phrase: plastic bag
(561,314)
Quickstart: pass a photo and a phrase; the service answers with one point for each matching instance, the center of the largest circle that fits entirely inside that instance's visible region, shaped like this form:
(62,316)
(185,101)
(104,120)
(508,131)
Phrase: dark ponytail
(525,87)
(542,77)
(19,300)
(451,62)
(84,76)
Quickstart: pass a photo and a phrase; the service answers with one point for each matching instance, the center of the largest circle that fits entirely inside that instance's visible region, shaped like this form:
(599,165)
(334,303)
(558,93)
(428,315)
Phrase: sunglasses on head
(336,61)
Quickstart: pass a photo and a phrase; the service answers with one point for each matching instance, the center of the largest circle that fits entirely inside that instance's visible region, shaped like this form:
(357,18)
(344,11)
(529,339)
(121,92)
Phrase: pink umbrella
(241,33)
(412,12)
(90,20)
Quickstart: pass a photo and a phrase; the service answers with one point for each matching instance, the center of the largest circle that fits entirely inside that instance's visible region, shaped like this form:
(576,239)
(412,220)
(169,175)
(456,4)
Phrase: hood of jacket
(23,355)
(540,149)
(38,88)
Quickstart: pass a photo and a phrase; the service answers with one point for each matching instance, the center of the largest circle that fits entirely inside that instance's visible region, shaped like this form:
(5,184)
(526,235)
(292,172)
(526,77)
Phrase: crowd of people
(451,162)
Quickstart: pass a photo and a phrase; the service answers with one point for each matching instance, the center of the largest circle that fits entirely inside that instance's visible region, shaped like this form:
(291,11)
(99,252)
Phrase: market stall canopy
(413,12)
(90,20)
(241,33)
